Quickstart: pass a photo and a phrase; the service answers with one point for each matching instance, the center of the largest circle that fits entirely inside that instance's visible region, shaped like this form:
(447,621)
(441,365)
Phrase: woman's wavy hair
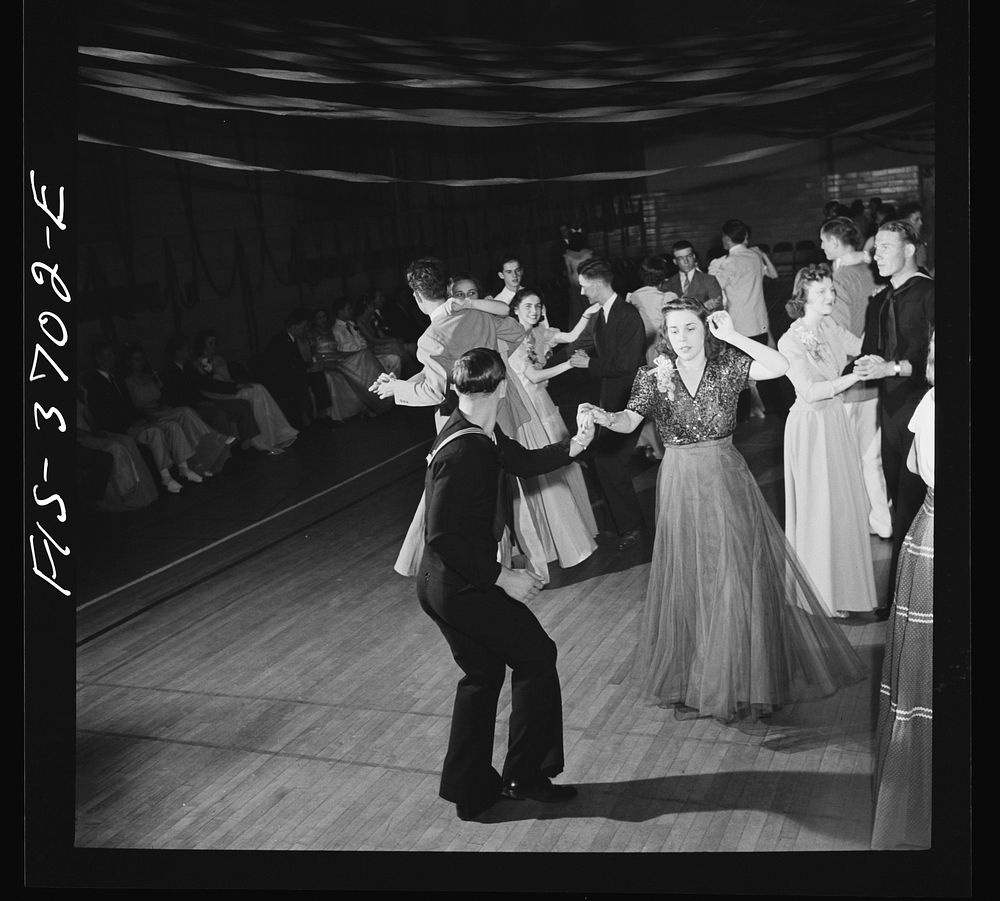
(686,304)
(519,296)
(806,276)
(465,277)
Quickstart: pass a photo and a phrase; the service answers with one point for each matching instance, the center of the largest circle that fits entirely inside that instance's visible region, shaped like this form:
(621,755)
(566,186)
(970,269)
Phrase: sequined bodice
(711,413)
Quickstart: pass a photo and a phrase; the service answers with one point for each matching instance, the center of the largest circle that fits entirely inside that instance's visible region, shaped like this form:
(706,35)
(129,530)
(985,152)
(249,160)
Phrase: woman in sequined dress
(731,626)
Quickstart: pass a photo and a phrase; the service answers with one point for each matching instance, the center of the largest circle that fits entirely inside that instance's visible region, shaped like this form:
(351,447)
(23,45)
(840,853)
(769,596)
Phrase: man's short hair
(681,245)
(427,276)
(904,228)
(844,229)
(298,315)
(653,270)
(736,230)
(478,371)
(596,268)
(908,209)
(508,258)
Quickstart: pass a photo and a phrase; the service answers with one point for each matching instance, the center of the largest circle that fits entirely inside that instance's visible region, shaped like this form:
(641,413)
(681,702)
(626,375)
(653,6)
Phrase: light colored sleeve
(509,330)
(809,384)
(428,387)
(721,271)
(921,456)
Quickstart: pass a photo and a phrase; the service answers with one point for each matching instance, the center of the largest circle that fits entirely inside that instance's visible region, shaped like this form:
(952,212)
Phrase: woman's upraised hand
(720,323)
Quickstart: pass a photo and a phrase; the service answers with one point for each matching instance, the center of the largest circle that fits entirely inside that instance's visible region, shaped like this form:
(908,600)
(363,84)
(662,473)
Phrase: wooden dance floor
(282,690)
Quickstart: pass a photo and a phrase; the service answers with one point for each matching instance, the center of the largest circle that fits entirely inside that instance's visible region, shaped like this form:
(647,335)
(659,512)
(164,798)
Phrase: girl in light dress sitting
(211,448)
(276,433)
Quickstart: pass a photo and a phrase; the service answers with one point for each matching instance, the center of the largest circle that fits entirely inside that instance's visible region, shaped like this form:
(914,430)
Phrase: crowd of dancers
(740,616)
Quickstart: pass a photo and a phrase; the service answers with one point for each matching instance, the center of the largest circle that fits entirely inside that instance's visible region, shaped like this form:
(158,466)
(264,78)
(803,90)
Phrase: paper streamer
(371,178)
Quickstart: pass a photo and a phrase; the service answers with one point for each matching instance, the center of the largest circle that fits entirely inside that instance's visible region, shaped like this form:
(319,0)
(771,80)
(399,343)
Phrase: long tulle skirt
(731,626)
(902,790)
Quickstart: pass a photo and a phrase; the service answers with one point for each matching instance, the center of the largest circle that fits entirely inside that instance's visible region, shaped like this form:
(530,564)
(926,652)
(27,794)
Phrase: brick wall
(777,209)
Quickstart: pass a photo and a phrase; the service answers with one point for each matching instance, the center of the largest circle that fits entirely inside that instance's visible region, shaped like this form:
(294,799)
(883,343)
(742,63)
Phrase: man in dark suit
(296,387)
(690,281)
(480,605)
(619,350)
(898,323)
(183,387)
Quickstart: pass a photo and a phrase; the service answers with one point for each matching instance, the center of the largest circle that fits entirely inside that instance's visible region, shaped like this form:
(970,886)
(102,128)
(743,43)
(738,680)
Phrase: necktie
(890,327)
(685,281)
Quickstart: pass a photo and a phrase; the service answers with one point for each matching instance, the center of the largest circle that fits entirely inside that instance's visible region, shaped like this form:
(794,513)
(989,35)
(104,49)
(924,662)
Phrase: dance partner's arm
(717,297)
(628,354)
(621,421)
(808,383)
(769,270)
(524,463)
(543,375)
(483,304)
(577,330)
(767,362)
(425,389)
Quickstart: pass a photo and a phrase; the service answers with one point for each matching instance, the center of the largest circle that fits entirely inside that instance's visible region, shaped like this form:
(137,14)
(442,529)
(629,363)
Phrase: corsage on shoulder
(810,341)
(664,372)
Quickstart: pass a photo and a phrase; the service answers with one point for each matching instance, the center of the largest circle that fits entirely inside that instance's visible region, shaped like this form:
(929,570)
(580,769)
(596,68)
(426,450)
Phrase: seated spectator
(113,411)
(297,384)
(374,328)
(181,387)
(357,362)
(93,471)
(347,398)
(130,484)
(215,382)
(211,447)
(349,338)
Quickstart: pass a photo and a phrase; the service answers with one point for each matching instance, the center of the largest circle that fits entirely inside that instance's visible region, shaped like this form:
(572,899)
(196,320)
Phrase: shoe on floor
(173,486)
(543,790)
(629,539)
(468,812)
